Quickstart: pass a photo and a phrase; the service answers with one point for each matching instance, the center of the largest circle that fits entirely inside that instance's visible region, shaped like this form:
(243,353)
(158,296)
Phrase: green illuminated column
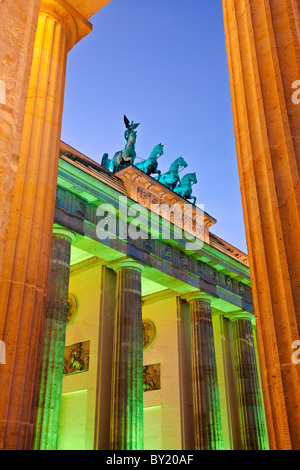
(51,377)
(127,382)
(206,400)
(251,413)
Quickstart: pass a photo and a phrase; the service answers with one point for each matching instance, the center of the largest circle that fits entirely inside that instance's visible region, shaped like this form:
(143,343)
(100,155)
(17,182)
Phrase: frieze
(242,288)
(228,282)
(85,211)
(59,200)
(70,202)
(146,198)
(184,260)
(174,211)
(199,268)
(76,205)
(81,209)
(60,197)
(213,276)
(166,252)
(148,245)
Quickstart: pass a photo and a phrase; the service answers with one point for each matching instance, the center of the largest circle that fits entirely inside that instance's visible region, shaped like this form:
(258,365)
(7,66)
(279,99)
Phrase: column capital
(199,295)
(74,23)
(241,315)
(128,264)
(64,233)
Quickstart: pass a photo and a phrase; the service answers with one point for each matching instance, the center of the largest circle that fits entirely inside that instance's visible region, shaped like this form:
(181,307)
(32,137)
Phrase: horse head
(179,163)
(159,149)
(188,179)
(106,162)
(104,159)
(157,152)
(193,178)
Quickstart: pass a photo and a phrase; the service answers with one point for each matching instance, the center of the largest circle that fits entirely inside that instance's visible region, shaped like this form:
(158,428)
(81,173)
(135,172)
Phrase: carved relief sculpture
(151,377)
(149,333)
(77,358)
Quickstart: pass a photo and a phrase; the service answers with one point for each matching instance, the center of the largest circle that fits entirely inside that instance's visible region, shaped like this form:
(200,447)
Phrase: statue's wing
(135,126)
(126,121)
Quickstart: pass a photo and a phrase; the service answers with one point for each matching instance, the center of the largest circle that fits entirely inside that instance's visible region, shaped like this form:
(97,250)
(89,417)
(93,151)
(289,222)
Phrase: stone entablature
(78,195)
(230,250)
(143,189)
(86,164)
(151,193)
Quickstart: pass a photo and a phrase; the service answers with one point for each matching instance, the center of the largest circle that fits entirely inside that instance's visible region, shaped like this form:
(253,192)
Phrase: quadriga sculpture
(171,178)
(107,162)
(122,158)
(130,126)
(125,157)
(150,165)
(184,189)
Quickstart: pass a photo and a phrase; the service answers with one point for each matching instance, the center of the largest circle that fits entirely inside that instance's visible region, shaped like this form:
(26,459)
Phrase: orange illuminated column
(127,378)
(263,47)
(26,257)
(18,23)
(206,399)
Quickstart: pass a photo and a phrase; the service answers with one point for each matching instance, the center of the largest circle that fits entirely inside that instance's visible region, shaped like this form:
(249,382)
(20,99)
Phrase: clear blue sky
(162,63)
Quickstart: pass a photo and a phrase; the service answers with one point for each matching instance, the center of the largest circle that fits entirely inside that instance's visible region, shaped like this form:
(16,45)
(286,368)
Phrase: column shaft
(127,380)
(51,375)
(105,358)
(263,47)
(251,412)
(206,400)
(18,23)
(26,258)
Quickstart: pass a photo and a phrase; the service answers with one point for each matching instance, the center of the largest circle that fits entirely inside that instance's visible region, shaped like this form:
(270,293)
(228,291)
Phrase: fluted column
(206,400)
(23,283)
(18,23)
(127,380)
(263,48)
(52,367)
(251,412)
